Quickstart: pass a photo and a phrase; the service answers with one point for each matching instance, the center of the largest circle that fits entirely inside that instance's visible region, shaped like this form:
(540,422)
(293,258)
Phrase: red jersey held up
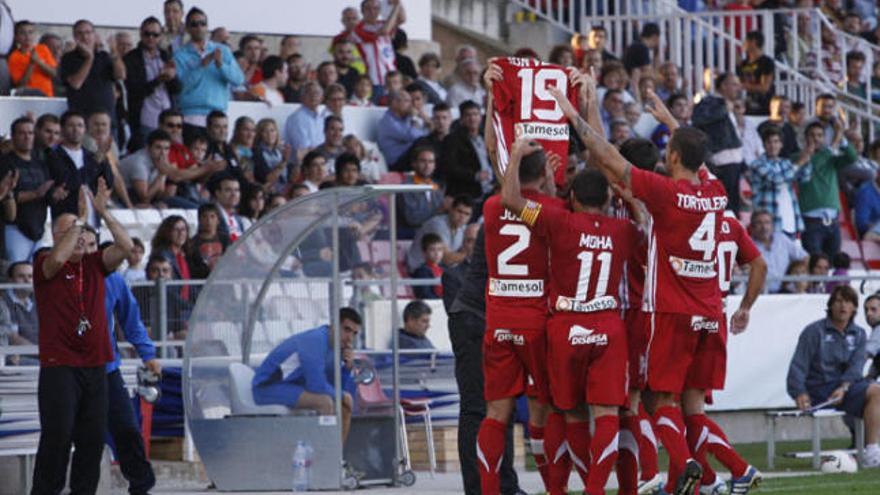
(683,237)
(735,247)
(524,108)
(59,310)
(517,261)
(376,49)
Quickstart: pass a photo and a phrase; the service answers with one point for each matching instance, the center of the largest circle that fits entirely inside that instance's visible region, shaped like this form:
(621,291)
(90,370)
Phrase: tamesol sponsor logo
(692,268)
(516,288)
(698,324)
(502,335)
(579,335)
(541,130)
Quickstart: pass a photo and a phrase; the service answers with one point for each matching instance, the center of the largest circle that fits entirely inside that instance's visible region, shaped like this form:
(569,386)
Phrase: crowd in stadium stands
(150,118)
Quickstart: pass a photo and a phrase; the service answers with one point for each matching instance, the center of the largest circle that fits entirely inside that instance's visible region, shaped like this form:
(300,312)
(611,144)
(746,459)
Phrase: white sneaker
(717,487)
(872,456)
(651,485)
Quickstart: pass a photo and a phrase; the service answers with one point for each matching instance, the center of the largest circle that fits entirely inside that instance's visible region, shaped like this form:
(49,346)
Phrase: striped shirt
(376,49)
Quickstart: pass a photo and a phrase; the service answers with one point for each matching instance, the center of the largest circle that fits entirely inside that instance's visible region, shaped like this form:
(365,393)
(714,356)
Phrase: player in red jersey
(514,345)
(735,247)
(586,340)
(686,211)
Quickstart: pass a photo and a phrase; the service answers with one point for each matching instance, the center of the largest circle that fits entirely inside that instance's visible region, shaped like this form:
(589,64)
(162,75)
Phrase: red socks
(697,434)
(711,439)
(647,445)
(628,456)
(556,452)
(490,450)
(603,450)
(669,426)
(536,439)
(578,437)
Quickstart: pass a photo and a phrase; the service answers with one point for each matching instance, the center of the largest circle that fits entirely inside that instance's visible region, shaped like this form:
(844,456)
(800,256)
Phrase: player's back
(517,261)
(735,247)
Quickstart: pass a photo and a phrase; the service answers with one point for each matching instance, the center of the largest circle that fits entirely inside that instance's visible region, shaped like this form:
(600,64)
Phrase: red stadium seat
(871,254)
(391,178)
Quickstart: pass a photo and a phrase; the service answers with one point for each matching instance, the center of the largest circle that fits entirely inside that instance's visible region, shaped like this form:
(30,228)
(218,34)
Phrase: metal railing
(484,17)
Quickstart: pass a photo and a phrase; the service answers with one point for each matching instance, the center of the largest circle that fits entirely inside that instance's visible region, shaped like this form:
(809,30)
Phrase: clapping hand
(99,200)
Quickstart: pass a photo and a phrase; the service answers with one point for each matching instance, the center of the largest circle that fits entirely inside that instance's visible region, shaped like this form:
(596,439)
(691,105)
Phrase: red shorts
(587,360)
(686,351)
(637,344)
(514,363)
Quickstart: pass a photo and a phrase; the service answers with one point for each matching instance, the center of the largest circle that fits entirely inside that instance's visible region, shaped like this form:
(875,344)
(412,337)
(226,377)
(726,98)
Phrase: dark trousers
(729,176)
(73,410)
(819,237)
(126,434)
(466,333)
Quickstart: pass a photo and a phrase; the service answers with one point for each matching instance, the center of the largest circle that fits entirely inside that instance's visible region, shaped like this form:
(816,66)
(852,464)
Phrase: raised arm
(76,79)
(511,194)
(62,250)
(492,74)
(658,109)
(114,255)
(395,18)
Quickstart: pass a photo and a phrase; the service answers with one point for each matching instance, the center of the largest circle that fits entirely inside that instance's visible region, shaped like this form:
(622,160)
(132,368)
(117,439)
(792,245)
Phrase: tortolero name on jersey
(541,130)
(516,288)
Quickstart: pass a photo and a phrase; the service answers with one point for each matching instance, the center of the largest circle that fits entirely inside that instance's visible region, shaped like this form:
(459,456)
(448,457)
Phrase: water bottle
(302,462)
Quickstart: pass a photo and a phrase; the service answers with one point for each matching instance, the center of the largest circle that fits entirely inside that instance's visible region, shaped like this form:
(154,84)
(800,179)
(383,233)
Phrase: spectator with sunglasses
(151,82)
(206,70)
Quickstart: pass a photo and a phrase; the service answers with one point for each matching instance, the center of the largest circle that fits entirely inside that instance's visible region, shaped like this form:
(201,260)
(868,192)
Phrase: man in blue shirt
(397,129)
(304,128)
(828,365)
(299,372)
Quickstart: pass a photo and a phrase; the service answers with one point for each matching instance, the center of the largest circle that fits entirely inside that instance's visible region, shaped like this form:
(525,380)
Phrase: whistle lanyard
(81,293)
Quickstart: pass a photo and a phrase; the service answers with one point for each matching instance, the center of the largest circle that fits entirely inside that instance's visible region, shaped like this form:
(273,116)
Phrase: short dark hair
(417,151)
(690,144)
(797,106)
(757,37)
(854,56)
(80,22)
(532,166)
(208,207)
(21,24)
(428,58)
(841,260)
(429,240)
(351,315)
(157,135)
(271,65)
(11,269)
(719,80)
(310,157)
(872,297)
(590,188)
(69,114)
(650,29)
(414,88)
(674,97)
(214,115)
(47,118)
(331,119)
(825,96)
(815,258)
(138,242)
(415,309)
(169,112)
(463,200)
(400,40)
(467,105)
(597,27)
(441,107)
(769,131)
(346,158)
(17,122)
(150,20)
(844,292)
(247,39)
(178,2)
(642,153)
(194,12)
(813,125)
(154,259)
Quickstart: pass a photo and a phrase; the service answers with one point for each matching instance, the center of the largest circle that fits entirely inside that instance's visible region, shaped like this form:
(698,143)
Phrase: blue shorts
(285,394)
(853,402)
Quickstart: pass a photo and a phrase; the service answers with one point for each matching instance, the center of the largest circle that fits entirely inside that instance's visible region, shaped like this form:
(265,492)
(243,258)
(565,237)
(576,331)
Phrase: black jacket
(458,165)
(63,171)
(138,89)
(711,116)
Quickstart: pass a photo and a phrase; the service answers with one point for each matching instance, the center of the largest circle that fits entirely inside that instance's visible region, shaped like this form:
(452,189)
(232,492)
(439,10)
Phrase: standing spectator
(397,129)
(134,272)
(441,122)
(89,73)
(827,117)
(404,64)
(450,227)
(271,158)
(669,82)
(638,56)
(596,40)
(343,56)
(373,37)
(170,243)
(290,44)
(780,108)
(74,349)
(469,87)
(303,130)
(747,130)
(350,19)
(32,67)
(227,194)
(772,178)
(756,72)
(863,170)
(416,323)
(432,248)
(251,46)
(416,208)
(71,167)
(275,72)
(297,75)
(778,250)
(819,196)
(150,84)
(208,245)
(22,237)
(867,211)
(174,30)
(206,70)
(429,78)
(464,164)
(855,65)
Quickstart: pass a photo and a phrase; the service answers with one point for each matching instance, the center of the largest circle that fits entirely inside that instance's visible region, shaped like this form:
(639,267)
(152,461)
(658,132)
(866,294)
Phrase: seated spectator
(187,163)
(464,165)
(20,311)
(819,265)
(297,76)
(144,171)
(796,268)
(89,73)
(71,167)
(242,145)
(867,210)
(343,56)
(752,146)
(275,72)
(872,346)
(99,137)
(334,99)
(756,71)
(450,227)
(251,47)
(348,171)
(208,245)
(313,170)
(469,87)
(561,54)
(669,82)
(638,56)
(429,78)
(633,112)
(309,385)
(397,129)
(253,202)
(855,65)
(151,83)
(274,201)
(326,74)
(432,249)
(780,108)
(170,242)
(207,70)
(271,158)
(612,109)
(819,196)
(373,165)
(134,272)
(218,148)
(304,129)
(32,67)
(420,111)
(778,250)
(840,265)
(441,123)
(772,179)
(828,364)
(393,83)
(416,323)
(416,208)
(862,171)
(362,96)
(159,268)
(23,234)
(363,294)
(227,194)
(596,40)
(47,136)
(331,148)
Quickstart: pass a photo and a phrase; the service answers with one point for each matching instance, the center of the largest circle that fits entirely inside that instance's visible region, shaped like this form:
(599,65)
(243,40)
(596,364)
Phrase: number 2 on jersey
(703,239)
(523,236)
(535,85)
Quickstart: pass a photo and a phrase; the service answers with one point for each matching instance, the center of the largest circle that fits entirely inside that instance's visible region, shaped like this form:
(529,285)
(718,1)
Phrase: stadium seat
(241,395)
(816,416)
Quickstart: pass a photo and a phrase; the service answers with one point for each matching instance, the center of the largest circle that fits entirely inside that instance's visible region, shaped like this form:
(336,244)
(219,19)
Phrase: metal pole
(395,324)
(336,327)
(162,309)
